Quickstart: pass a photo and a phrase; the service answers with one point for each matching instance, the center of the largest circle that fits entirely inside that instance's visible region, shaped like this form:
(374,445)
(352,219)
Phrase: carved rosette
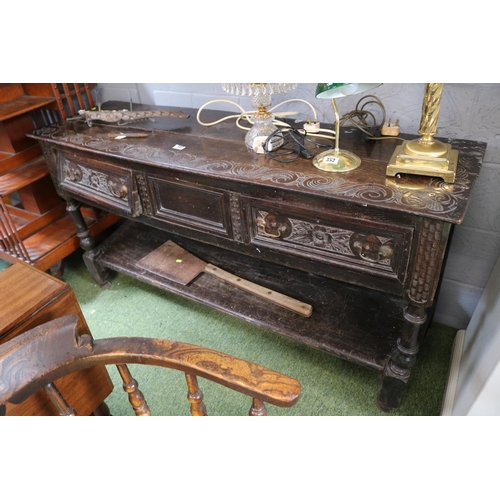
(72,172)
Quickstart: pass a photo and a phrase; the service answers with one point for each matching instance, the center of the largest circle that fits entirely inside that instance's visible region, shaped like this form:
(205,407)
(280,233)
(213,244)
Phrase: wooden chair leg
(102,411)
(195,397)
(57,270)
(258,408)
(135,396)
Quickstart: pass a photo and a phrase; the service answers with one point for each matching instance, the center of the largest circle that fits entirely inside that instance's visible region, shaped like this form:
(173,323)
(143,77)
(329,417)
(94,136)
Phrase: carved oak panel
(190,205)
(107,185)
(381,249)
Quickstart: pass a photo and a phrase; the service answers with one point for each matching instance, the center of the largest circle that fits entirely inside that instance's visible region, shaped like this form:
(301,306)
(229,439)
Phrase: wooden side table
(30,297)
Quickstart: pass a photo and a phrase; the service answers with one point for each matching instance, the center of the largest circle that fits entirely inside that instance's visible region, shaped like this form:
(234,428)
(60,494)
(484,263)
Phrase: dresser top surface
(219,152)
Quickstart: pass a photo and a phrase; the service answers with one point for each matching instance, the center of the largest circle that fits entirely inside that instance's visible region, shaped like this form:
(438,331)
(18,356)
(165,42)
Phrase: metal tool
(173,262)
(124,135)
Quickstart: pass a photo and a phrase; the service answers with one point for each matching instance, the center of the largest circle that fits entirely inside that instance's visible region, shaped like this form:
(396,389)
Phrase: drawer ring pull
(274,226)
(371,249)
(261,225)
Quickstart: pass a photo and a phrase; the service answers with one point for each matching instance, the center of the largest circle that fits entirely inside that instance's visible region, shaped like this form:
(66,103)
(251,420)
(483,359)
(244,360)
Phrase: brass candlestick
(426,155)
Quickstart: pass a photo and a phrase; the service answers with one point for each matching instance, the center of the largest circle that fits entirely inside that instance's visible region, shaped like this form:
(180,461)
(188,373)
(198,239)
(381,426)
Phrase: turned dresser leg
(87,242)
(399,365)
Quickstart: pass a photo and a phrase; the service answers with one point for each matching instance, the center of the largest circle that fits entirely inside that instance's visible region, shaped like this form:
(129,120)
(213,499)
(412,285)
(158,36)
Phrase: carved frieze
(368,247)
(431,196)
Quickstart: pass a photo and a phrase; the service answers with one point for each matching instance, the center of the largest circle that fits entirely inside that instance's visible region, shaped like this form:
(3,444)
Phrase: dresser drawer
(190,205)
(361,247)
(108,185)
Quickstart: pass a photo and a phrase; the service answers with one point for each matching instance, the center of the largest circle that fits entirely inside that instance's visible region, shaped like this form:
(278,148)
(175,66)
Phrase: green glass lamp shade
(338,160)
(334,90)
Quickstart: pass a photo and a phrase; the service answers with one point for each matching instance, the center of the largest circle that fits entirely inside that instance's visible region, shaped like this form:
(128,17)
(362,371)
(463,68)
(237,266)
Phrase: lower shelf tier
(348,321)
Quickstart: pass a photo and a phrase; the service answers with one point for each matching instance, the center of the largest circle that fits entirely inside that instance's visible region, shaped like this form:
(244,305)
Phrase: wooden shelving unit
(34,225)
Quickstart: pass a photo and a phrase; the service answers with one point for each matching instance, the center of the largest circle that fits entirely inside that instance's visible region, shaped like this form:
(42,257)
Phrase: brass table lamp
(339,160)
(426,156)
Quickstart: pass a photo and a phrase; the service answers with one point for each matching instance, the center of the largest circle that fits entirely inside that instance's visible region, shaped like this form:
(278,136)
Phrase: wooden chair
(38,357)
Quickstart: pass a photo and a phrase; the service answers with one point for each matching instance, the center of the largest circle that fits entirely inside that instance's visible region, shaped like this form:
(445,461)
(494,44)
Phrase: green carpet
(330,386)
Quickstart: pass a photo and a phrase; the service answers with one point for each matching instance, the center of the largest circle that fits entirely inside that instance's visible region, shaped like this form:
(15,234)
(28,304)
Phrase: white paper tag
(331,159)
(178,146)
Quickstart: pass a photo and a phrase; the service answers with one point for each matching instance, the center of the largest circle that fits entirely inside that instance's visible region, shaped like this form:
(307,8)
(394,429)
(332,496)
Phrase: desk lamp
(261,99)
(339,160)
(426,156)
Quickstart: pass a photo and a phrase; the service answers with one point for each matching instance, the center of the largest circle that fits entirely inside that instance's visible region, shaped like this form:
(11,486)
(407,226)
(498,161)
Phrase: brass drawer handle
(273,226)
(370,248)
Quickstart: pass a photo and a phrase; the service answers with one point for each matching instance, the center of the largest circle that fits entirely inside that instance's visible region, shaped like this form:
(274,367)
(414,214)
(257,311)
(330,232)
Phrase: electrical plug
(391,129)
(311,126)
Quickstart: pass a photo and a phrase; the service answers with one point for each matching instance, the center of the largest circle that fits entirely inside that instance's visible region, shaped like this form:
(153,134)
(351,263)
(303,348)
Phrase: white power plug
(311,126)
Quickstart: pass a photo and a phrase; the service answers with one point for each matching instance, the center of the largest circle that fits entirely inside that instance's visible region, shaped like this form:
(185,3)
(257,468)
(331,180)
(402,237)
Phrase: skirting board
(451,388)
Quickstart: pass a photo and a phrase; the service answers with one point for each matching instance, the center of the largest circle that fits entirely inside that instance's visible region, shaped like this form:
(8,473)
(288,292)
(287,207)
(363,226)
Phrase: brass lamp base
(336,160)
(444,166)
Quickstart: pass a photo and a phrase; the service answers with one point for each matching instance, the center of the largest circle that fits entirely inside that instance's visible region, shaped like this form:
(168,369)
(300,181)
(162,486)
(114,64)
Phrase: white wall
(478,376)
(468,111)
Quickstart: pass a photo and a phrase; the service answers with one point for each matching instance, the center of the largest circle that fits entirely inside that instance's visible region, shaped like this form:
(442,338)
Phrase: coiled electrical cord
(286,144)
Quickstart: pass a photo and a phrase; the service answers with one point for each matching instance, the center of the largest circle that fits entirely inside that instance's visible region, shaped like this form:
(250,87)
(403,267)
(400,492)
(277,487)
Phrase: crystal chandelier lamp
(261,100)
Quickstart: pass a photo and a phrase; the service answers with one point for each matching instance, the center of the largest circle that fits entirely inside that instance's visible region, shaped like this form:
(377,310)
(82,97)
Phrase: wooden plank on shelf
(21,105)
(8,161)
(10,91)
(22,176)
(28,223)
(58,240)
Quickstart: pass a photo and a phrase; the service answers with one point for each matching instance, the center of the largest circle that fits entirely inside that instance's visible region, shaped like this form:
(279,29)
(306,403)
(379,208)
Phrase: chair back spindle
(58,400)
(195,397)
(135,396)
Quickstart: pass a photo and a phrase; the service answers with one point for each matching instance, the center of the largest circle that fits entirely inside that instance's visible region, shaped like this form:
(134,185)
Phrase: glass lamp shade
(338,160)
(334,90)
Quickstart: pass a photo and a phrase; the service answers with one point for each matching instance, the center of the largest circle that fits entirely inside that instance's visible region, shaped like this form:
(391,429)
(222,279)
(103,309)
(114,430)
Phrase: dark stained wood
(29,298)
(365,250)
(343,316)
(60,350)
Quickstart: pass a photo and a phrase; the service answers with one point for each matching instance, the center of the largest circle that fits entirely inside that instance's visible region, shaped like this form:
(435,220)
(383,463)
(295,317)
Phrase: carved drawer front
(378,249)
(190,205)
(109,186)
